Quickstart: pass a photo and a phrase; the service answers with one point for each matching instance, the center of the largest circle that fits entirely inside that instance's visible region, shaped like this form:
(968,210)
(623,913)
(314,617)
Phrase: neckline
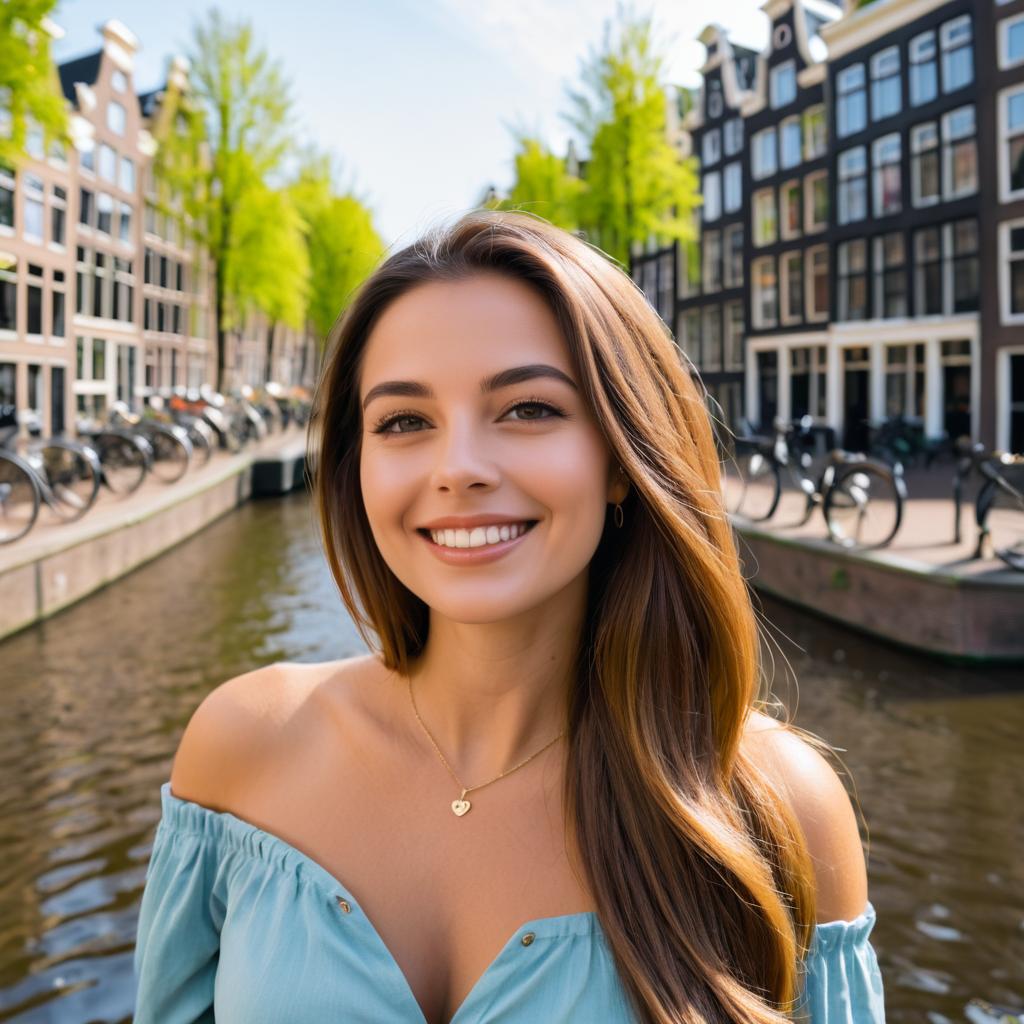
(581,923)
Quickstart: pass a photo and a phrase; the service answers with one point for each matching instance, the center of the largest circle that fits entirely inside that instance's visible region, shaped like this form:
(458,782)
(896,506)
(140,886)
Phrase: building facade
(883,180)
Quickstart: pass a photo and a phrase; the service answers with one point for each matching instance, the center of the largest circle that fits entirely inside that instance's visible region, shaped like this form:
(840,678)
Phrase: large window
(815,132)
(733,256)
(765,158)
(107,167)
(732,136)
(924,72)
(851,107)
(791,269)
(963,257)
(817,282)
(957,55)
(1011,248)
(790,202)
(890,275)
(946,276)
(765,217)
(928,271)
(852,279)
(885,83)
(782,84)
(712,261)
(1011,41)
(766,292)
(816,201)
(1011,143)
(34,197)
(925,179)
(712,192)
(959,153)
(853,185)
(887,190)
(733,181)
(115,117)
(711,147)
(790,142)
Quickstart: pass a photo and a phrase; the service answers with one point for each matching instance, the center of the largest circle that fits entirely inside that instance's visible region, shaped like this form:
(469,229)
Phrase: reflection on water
(94,700)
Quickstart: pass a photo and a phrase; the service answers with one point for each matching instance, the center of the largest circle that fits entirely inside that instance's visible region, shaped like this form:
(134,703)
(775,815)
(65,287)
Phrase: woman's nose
(463,457)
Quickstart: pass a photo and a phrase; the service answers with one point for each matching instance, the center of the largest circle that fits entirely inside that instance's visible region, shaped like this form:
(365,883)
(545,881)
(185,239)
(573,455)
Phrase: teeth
(477,537)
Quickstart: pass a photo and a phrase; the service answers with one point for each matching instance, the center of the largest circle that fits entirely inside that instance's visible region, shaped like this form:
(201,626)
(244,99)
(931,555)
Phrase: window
(57,326)
(816,201)
(765,217)
(87,157)
(118,81)
(733,182)
(1011,41)
(6,197)
(851,107)
(688,334)
(790,142)
(115,117)
(766,288)
(928,272)
(124,224)
(712,191)
(959,153)
(815,132)
(711,339)
(58,214)
(1011,144)
(8,292)
(853,185)
(34,222)
(789,215)
(890,275)
(34,295)
(807,377)
(127,174)
(963,258)
(885,83)
(733,136)
(733,335)
(957,56)
(711,147)
(887,184)
(715,100)
(108,163)
(100,292)
(712,261)
(817,283)
(1011,284)
(924,74)
(104,212)
(733,256)
(764,161)
(791,265)
(35,144)
(123,290)
(852,279)
(782,85)
(86,210)
(925,186)
(904,380)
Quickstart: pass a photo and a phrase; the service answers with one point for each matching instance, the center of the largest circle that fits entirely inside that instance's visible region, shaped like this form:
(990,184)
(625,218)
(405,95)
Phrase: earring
(618,515)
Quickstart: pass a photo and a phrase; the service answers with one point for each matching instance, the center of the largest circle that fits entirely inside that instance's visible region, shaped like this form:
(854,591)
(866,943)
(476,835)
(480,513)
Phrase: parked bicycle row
(175,430)
(862,495)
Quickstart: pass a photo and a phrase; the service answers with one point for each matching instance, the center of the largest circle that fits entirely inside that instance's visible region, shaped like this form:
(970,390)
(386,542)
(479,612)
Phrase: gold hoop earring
(618,516)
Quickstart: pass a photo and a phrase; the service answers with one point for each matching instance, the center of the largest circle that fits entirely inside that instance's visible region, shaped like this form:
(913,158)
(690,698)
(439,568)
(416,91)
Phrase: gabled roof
(81,69)
(149,101)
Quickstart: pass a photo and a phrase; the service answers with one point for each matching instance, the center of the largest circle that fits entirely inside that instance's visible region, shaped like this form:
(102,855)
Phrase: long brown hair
(698,868)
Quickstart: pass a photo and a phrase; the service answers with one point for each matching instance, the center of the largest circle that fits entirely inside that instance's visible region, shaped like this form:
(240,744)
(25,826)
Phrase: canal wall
(57,563)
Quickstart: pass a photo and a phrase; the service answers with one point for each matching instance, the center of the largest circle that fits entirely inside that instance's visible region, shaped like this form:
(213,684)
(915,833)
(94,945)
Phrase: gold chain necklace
(462,805)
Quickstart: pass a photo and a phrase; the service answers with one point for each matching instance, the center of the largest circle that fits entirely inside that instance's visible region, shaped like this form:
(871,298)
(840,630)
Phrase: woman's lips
(475,556)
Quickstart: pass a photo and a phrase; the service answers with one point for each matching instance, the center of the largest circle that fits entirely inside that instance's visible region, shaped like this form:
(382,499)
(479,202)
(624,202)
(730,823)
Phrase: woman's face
(473,421)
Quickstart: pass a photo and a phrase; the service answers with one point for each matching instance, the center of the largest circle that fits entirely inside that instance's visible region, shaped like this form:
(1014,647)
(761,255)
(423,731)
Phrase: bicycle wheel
(19,500)
(122,460)
(171,455)
(863,508)
(752,486)
(72,474)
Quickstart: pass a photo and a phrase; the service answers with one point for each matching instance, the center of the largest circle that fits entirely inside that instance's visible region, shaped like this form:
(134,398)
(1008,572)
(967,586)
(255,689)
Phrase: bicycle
(846,485)
(172,449)
(997,468)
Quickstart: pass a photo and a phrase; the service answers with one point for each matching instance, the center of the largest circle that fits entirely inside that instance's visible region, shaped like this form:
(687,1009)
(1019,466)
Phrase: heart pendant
(460,807)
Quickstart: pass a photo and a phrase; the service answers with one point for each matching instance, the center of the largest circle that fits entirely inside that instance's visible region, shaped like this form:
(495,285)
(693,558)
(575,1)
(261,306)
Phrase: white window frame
(732,172)
(891,139)
(784,232)
(1003,54)
(758,239)
(709,314)
(845,175)
(758,141)
(914,60)
(36,193)
(756,303)
(732,346)
(878,270)
(877,76)
(842,93)
(711,262)
(711,147)
(947,153)
(1005,258)
(1003,139)
(918,149)
(118,124)
(732,136)
(789,123)
(946,46)
(728,279)
(789,316)
(711,190)
(817,111)
(788,68)
(812,226)
(813,314)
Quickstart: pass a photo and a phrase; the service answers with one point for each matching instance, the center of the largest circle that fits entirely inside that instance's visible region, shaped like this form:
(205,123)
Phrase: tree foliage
(29,87)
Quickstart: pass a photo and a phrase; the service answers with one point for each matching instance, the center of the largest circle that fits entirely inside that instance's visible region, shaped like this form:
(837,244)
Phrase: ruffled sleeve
(180,918)
(843,984)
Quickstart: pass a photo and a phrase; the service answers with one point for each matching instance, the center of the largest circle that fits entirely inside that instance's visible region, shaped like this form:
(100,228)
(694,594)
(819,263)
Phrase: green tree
(543,185)
(29,87)
(637,184)
(340,236)
(246,108)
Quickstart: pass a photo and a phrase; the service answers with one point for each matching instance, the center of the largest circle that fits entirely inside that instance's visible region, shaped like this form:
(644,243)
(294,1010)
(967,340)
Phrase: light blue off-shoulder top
(239,927)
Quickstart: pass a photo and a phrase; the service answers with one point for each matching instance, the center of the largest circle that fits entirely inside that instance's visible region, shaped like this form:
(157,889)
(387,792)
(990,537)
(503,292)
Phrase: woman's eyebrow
(502,379)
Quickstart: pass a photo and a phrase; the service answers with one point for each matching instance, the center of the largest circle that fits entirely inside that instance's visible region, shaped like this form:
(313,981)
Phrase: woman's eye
(385,426)
(533,405)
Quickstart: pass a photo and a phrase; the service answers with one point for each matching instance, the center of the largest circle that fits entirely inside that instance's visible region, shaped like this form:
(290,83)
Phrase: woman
(547,796)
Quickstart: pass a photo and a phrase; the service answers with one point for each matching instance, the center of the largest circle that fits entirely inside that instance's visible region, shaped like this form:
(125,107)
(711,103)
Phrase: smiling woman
(518,493)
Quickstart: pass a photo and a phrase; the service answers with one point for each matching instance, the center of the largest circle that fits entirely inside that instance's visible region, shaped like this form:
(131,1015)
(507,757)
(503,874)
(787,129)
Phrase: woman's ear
(618,488)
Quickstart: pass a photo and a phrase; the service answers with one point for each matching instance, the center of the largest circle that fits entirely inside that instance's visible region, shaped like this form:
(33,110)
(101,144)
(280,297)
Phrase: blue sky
(416,99)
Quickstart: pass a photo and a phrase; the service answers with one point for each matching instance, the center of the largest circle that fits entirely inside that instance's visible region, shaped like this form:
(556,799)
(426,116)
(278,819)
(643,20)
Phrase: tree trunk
(269,367)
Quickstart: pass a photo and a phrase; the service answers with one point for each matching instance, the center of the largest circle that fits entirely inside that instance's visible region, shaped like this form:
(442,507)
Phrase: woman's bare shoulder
(240,726)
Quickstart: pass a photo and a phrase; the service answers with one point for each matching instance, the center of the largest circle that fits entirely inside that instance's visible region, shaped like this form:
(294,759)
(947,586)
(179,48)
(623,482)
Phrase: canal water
(93,702)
